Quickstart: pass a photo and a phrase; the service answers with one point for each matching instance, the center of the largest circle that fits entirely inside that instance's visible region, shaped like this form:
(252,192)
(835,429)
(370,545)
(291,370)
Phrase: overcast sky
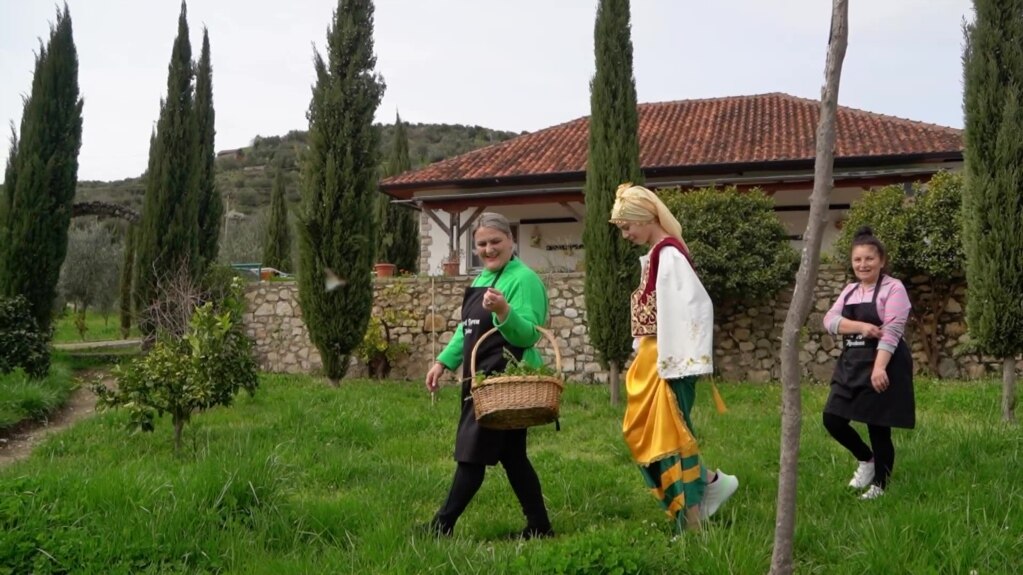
(505,64)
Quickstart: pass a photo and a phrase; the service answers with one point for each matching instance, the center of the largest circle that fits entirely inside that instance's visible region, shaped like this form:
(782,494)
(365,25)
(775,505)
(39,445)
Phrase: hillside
(245,175)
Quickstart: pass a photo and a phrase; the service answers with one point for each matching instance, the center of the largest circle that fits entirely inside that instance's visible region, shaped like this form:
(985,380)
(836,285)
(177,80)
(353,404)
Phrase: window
(473,261)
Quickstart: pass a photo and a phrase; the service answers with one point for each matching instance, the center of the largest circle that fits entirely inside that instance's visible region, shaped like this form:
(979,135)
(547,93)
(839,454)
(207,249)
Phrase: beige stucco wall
(435,240)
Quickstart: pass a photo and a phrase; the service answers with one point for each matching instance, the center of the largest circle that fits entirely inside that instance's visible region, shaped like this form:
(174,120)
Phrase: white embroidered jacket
(672,305)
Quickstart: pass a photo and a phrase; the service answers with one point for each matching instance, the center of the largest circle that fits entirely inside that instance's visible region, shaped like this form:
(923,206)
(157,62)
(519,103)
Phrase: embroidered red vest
(644,299)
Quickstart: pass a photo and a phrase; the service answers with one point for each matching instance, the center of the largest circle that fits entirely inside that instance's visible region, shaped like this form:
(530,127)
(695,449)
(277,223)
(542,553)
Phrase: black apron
(473,443)
(852,396)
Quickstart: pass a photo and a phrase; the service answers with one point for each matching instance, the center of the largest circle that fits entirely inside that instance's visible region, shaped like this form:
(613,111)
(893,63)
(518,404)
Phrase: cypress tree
(211,205)
(41,176)
(127,272)
(168,238)
(993,195)
(401,223)
(611,269)
(6,201)
(337,230)
(277,240)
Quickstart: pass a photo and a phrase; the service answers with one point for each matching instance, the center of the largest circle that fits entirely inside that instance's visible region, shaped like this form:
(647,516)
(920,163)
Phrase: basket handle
(543,332)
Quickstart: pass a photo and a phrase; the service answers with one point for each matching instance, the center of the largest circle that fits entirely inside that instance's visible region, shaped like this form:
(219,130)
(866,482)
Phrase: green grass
(301,478)
(98,328)
(22,398)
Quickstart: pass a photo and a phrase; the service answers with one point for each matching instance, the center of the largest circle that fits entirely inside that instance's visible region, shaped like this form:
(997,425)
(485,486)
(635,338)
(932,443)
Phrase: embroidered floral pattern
(644,307)
(686,366)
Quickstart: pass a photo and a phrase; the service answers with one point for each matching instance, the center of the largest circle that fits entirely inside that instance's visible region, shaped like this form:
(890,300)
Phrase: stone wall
(747,336)
(274,322)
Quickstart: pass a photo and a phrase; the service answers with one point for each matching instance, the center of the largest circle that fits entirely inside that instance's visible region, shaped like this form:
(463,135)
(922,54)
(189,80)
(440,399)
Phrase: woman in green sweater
(510,296)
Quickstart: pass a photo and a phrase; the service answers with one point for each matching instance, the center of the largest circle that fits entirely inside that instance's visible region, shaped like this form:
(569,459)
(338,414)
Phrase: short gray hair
(493,221)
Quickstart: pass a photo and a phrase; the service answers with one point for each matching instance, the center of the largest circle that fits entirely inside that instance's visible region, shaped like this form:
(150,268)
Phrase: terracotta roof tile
(686,133)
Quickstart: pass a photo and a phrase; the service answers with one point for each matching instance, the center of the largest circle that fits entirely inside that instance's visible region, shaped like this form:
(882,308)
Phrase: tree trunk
(939,299)
(917,324)
(613,382)
(1009,389)
(791,370)
(179,425)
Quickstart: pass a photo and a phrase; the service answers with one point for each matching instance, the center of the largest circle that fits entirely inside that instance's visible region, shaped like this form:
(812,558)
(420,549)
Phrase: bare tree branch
(177,297)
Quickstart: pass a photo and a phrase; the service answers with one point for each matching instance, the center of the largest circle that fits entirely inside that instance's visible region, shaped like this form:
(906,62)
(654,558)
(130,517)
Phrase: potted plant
(452,265)
(377,351)
(383,268)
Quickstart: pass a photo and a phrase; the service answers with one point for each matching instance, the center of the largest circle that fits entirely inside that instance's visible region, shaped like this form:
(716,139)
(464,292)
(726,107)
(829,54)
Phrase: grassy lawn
(23,398)
(98,328)
(306,479)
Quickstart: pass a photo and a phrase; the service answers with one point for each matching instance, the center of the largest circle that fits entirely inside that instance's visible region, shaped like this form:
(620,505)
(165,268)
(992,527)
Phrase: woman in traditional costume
(673,327)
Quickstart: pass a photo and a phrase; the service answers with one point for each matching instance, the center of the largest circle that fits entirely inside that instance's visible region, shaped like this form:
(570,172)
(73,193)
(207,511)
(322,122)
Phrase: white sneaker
(863,476)
(873,493)
(715,494)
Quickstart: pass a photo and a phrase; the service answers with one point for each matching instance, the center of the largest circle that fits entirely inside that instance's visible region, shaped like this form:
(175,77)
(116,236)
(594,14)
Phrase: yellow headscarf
(638,204)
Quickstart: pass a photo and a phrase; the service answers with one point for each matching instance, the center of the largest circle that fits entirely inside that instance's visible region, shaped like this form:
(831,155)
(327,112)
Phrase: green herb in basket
(516,367)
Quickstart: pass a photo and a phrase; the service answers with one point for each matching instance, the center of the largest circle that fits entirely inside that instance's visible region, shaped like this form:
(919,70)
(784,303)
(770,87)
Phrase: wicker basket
(517,401)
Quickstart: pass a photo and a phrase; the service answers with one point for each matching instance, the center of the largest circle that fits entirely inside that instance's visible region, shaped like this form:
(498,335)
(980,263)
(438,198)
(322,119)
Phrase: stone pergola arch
(106,209)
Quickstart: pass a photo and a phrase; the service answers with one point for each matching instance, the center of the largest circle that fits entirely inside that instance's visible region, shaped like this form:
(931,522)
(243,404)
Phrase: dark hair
(864,236)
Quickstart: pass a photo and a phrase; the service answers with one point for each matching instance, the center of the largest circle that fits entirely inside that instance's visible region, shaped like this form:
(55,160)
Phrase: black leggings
(880,440)
(524,482)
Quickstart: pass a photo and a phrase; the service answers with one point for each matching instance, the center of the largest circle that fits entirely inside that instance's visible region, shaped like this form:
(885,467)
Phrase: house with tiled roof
(765,141)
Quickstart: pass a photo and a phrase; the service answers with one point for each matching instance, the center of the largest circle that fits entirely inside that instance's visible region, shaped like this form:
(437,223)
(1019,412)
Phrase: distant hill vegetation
(244,176)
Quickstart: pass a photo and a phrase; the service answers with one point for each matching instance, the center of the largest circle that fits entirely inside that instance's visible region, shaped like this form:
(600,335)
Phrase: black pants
(469,477)
(883,451)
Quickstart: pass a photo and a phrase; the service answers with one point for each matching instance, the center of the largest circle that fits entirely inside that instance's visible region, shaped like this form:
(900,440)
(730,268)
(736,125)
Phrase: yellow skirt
(656,432)
(653,424)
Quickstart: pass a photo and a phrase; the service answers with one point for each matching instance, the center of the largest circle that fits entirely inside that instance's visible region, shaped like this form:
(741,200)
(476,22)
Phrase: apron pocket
(857,367)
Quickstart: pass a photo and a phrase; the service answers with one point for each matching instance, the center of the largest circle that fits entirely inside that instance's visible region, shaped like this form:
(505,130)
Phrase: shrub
(922,235)
(378,350)
(182,375)
(739,246)
(22,344)
(885,211)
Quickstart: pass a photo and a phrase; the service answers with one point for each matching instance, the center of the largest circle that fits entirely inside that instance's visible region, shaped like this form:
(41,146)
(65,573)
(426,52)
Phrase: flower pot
(385,270)
(451,268)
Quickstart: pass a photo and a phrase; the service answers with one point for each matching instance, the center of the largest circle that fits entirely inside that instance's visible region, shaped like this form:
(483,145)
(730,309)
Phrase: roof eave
(407,190)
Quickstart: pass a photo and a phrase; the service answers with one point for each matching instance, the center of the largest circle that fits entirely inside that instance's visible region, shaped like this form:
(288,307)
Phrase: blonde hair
(638,204)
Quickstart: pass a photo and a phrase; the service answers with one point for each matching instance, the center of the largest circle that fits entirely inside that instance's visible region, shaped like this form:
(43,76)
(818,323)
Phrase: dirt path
(19,443)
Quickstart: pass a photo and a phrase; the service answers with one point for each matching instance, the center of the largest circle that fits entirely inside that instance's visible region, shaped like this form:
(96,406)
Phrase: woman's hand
(433,376)
(879,379)
(493,301)
(870,330)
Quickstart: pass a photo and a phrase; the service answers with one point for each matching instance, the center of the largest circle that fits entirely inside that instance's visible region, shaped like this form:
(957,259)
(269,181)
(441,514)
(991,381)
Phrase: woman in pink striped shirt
(873,380)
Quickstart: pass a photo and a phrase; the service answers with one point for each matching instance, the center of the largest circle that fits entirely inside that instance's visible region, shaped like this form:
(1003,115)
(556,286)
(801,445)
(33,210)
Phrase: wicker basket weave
(517,401)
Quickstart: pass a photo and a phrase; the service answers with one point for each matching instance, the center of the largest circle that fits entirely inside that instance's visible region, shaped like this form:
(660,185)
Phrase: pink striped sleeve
(893,307)
(835,313)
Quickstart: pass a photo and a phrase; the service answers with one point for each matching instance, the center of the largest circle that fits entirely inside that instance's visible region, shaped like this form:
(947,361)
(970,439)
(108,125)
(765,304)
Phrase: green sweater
(527,300)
